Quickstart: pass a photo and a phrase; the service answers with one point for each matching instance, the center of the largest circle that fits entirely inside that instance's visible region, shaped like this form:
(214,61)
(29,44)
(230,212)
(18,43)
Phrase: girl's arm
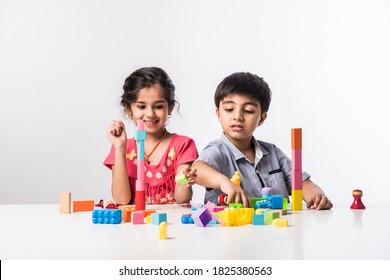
(315,196)
(183,193)
(211,178)
(120,187)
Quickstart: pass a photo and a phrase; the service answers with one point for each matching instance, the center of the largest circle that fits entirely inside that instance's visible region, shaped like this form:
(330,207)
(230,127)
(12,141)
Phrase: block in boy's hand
(181,179)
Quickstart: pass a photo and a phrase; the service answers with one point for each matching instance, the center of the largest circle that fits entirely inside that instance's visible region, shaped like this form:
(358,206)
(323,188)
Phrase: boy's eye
(248,111)
(229,109)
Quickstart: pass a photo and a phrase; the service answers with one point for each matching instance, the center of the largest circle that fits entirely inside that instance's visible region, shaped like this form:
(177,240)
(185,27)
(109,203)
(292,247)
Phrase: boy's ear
(262,118)
(217,114)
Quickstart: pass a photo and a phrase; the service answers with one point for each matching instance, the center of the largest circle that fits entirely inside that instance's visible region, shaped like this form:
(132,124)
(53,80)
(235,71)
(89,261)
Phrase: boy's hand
(235,193)
(319,202)
(117,134)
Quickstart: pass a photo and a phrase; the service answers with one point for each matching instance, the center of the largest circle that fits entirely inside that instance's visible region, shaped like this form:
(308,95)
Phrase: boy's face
(239,116)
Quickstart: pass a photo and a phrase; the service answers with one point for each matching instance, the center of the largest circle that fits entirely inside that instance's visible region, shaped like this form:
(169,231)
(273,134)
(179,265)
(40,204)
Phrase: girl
(149,95)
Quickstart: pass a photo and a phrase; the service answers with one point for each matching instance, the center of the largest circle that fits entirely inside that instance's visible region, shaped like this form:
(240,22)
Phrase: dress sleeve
(186,151)
(110,159)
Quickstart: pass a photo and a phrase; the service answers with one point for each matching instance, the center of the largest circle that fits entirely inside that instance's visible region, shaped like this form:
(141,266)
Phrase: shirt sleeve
(212,156)
(186,151)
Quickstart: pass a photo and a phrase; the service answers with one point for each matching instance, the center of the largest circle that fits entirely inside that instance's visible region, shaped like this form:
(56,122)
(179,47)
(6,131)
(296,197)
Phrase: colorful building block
(278,222)
(181,179)
(236,216)
(201,217)
(258,219)
(137,218)
(65,202)
(276,201)
(186,219)
(296,201)
(296,138)
(140,136)
(158,218)
(269,216)
(163,231)
(83,205)
(107,216)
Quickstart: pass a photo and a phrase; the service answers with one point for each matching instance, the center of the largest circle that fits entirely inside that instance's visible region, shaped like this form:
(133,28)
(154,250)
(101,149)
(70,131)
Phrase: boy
(242,101)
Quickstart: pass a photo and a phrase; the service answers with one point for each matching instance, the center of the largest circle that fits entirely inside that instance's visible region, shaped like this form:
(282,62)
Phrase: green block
(235,205)
(270,216)
(285,203)
(182,179)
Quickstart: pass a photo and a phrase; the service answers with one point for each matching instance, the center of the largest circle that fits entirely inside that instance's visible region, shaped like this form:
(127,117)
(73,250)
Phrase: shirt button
(257,171)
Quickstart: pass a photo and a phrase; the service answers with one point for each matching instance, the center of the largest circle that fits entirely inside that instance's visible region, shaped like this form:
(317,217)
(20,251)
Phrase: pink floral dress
(159,179)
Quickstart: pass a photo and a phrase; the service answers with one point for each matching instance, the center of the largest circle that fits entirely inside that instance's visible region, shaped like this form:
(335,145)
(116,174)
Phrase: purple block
(202,217)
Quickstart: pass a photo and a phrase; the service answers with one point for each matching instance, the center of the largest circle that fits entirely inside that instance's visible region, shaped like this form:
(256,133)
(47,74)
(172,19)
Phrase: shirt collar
(238,154)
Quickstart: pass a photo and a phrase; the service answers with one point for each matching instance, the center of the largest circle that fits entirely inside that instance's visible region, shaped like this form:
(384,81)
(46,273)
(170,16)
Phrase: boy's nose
(238,116)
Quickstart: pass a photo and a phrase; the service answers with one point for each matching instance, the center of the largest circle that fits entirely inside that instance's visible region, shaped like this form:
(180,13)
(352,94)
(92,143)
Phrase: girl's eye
(141,107)
(159,107)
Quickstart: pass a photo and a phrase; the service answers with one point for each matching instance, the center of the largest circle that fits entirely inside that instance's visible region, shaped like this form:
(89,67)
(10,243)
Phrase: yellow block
(236,216)
(280,222)
(163,230)
(296,200)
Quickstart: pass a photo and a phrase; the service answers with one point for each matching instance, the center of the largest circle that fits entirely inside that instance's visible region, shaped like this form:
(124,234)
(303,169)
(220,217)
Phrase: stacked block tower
(140,136)
(296,146)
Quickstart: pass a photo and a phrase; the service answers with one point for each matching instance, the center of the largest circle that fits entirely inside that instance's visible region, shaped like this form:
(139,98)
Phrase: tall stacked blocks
(140,136)
(296,146)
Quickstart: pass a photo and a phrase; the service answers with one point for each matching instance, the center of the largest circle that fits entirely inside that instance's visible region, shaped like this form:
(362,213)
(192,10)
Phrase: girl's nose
(149,112)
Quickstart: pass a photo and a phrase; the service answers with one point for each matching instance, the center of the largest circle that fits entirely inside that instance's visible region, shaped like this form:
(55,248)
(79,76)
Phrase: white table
(40,232)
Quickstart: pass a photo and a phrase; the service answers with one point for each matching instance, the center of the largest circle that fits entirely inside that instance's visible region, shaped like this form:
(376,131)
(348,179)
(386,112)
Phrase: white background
(63,63)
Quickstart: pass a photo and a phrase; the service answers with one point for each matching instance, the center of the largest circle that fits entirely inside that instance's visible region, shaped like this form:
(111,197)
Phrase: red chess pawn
(357,202)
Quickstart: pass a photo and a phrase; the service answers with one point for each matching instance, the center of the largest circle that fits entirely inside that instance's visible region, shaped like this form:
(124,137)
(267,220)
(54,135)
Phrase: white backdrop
(63,63)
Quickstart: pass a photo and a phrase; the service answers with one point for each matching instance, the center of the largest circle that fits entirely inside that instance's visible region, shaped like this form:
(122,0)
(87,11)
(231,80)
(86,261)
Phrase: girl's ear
(129,113)
(262,118)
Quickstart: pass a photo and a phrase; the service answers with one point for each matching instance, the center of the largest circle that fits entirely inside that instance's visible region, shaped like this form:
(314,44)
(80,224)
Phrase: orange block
(83,205)
(296,138)
(126,213)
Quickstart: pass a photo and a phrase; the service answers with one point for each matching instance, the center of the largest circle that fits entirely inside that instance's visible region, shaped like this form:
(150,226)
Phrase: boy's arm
(211,178)
(315,196)
(183,192)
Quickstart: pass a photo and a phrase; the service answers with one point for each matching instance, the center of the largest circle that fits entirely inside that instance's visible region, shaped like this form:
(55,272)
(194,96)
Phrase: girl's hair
(244,83)
(145,78)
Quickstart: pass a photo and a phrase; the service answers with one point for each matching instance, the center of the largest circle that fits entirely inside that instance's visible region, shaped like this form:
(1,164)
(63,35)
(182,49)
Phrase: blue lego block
(258,220)
(107,216)
(187,219)
(158,218)
(140,135)
(276,201)
(262,204)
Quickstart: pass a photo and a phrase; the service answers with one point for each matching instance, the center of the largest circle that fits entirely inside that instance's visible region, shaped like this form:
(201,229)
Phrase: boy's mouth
(237,127)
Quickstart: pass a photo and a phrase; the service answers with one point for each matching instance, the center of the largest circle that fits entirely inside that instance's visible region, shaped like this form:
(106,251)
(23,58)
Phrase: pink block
(296,159)
(140,125)
(137,218)
(296,179)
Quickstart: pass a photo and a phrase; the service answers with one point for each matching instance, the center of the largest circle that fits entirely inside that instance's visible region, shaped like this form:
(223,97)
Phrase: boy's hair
(145,78)
(244,83)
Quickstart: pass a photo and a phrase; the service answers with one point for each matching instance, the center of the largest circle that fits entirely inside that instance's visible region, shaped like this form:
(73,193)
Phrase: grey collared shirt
(272,167)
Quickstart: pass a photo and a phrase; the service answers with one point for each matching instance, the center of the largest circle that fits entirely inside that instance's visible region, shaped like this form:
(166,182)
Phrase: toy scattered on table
(296,146)
(65,202)
(158,218)
(108,204)
(83,205)
(266,192)
(140,136)
(279,222)
(201,217)
(107,216)
(163,231)
(186,219)
(222,199)
(181,179)
(357,201)
(236,179)
(137,218)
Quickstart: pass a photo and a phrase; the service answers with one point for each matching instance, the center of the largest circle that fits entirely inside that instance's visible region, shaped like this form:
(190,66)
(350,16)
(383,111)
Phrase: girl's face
(151,107)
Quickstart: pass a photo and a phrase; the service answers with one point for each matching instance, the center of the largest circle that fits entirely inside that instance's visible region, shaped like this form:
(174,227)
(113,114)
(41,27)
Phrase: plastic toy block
(296,183)
(107,216)
(140,135)
(255,199)
(181,179)
(222,199)
(357,201)
(259,211)
(148,219)
(266,192)
(296,138)
(195,206)
(217,209)
(236,179)
(158,218)
(258,219)
(201,217)
(137,218)
(278,222)
(186,219)
(282,212)
(235,205)
(83,205)
(65,202)
(276,201)
(210,206)
(218,219)
(269,216)
(296,159)
(296,200)
(126,214)
(148,212)
(236,217)
(163,231)
(285,203)
(264,204)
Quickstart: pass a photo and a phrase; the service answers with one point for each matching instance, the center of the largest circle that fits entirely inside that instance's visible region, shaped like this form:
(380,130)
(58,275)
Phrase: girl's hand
(117,134)
(235,193)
